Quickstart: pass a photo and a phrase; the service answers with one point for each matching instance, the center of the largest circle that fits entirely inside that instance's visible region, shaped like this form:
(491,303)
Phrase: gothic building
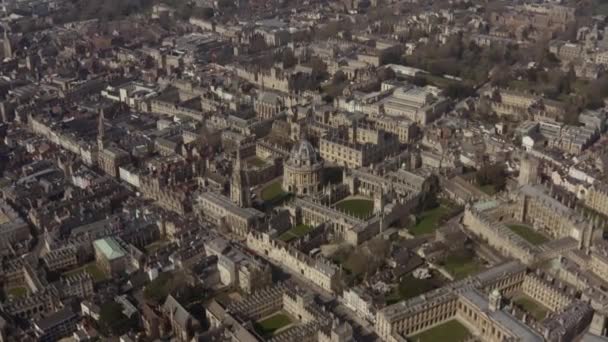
(239,186)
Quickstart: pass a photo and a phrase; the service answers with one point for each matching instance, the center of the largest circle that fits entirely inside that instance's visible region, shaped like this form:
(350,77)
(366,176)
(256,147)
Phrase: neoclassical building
(475,302)
(303,170)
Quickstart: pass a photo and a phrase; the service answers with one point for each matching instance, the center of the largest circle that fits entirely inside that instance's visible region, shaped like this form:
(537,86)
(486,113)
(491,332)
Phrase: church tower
(528,170)
(239,187)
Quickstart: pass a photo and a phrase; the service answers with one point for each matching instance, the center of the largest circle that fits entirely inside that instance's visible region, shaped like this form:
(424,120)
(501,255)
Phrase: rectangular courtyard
(452,331)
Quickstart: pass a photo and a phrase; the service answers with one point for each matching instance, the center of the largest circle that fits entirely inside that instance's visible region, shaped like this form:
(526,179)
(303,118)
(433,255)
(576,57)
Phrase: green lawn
(361,208)
(488,189)
(17,292)
(528,234)
(410,287)
(452,331)
(96,273)
(156,245)
(296,232)
(271,324)
(273,192)
(428,221)
(461,265)
(257,162)
(530,306)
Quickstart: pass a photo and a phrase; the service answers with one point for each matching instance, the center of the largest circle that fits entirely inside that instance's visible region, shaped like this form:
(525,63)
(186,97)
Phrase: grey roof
(55,319)
(589,337)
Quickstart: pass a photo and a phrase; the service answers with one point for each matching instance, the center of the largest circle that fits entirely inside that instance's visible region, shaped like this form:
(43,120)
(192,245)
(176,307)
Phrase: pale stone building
(110,255)
(597,198)
(303,170)
(464,301)
(318,271)
(358,146)
(310,321)
(416,104)
(222,210)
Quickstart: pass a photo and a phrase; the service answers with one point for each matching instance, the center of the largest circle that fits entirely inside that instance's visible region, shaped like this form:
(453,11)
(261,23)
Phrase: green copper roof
(110,248)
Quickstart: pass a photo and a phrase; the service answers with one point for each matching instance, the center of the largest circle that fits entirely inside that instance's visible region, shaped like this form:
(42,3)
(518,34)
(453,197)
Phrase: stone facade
(222,210)
(465,301)
(548,291)
(359,146)
(317,271)
(61,259)
(597,198)
(303,170)
(497,234)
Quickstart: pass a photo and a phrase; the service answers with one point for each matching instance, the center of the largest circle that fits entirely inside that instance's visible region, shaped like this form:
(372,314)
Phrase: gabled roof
(178,313)
(110,248)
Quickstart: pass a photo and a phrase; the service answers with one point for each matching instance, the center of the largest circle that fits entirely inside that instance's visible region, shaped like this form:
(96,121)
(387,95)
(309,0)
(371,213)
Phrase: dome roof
(303,153)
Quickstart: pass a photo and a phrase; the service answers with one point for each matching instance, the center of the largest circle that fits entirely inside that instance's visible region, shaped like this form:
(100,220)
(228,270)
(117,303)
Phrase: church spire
(239,186)
(100,131)
(6,43)
(237,165)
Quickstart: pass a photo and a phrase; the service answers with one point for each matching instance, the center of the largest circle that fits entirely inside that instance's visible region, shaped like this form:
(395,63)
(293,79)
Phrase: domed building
(303,170)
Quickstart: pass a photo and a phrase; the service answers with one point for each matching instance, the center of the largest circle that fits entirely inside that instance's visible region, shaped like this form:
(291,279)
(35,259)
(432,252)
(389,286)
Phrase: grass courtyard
(488,189)
(17,292)
(257,162)
(91,268)
(452,331)
(358,207)
(267,327)
(273,194)
(461,265)
(296,232)
(156,245)
(529,305)
(429,220)
(272,191)
(528,234)
(410,287)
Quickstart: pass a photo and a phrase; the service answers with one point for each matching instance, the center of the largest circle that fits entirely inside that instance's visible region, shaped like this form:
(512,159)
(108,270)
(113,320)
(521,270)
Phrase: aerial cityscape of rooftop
(304,170)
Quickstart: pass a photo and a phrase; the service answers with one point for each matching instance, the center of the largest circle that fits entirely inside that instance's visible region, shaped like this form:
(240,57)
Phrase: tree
(500,75)
(203,12)
(317,65)
(459,90)
(158,289)
(288,59)
(225,4)
(339,77)
(386,74)
(428,201)
(113,321)
(493,174)
(258,43)
(595,92)
(419,81)
(571,113)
